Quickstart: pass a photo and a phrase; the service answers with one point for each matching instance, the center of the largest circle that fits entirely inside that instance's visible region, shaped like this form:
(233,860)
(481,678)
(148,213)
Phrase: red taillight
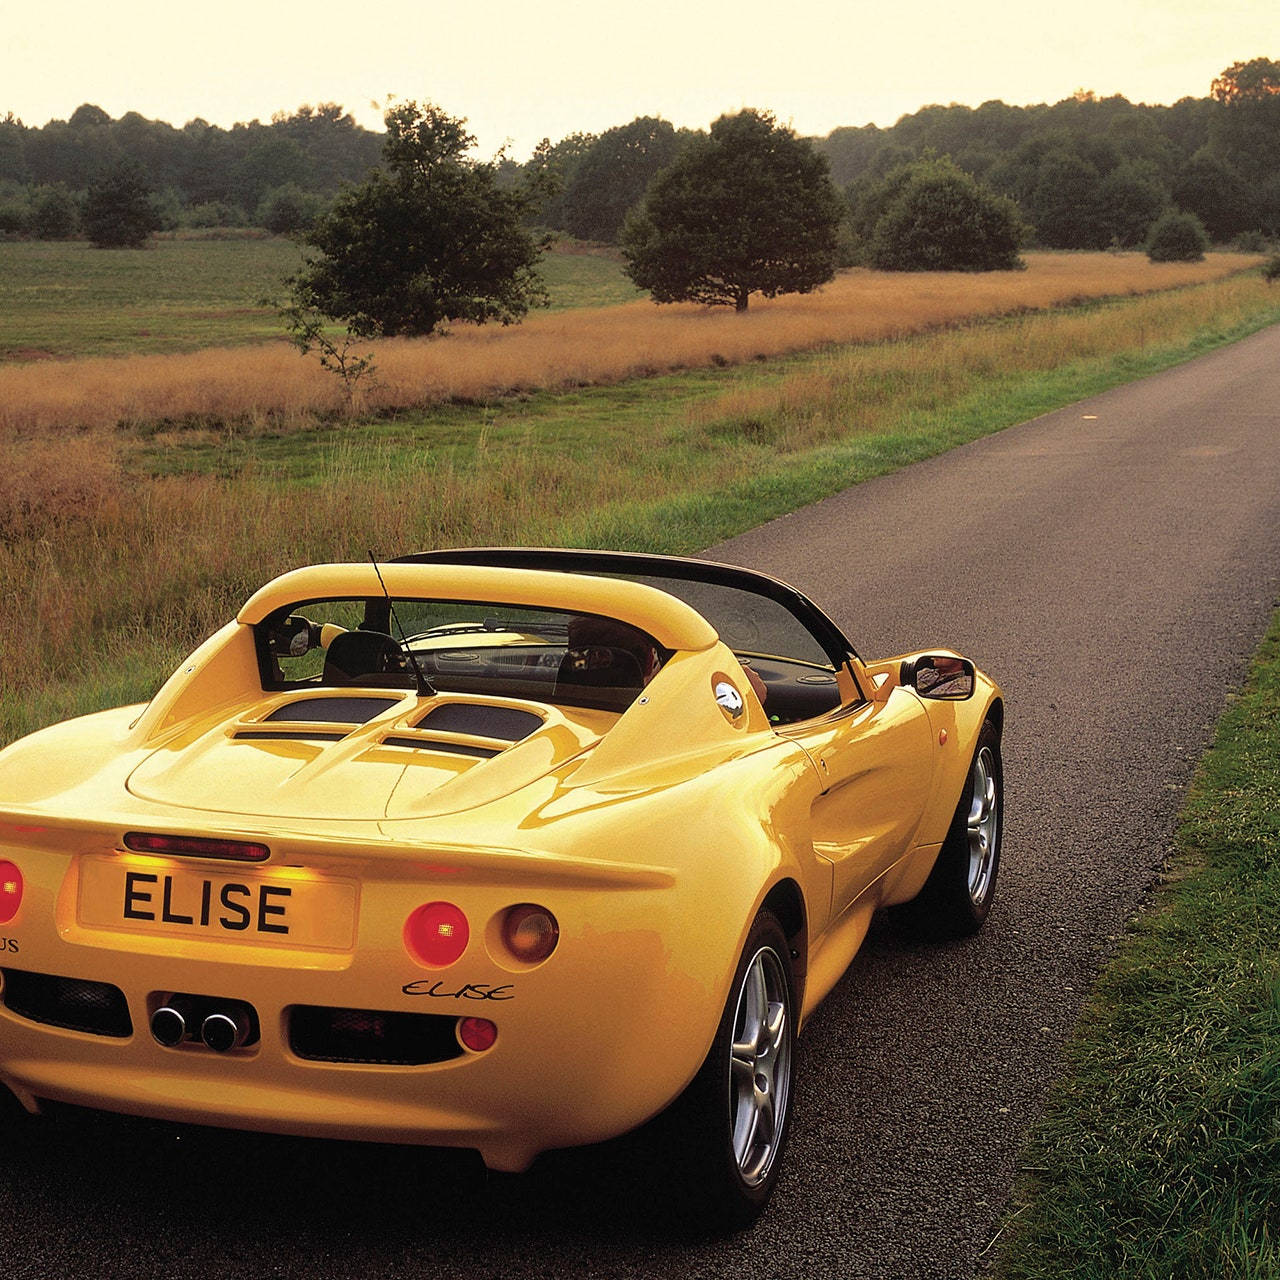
(477,1034)
(436,934)
(10,891)
(197,847)
(530,933)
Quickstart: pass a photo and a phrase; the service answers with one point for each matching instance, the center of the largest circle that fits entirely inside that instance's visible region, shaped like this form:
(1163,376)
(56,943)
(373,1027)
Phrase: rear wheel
(957,896)
(729,1128)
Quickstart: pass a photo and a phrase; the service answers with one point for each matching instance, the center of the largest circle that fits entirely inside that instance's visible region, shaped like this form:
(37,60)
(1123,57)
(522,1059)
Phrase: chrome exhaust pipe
(226,1029)
(169,1024)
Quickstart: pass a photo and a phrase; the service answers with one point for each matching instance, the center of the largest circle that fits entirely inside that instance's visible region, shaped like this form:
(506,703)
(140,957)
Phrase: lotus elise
(503,849)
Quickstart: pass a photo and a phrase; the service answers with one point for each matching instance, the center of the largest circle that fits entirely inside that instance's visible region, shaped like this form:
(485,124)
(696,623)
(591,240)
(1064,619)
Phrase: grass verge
(1160,1153)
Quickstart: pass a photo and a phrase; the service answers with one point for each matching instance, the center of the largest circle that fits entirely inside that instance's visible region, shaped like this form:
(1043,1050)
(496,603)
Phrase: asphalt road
(1113,565)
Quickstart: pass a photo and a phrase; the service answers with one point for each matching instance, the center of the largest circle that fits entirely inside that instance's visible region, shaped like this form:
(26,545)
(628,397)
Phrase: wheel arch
(785,901)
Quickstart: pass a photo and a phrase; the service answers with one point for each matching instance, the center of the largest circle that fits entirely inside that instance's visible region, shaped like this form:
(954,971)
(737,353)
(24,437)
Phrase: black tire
(725,1135)
(957,897)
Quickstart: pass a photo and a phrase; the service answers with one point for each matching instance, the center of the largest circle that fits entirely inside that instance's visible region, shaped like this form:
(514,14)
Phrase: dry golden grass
(118,575)
(570,348)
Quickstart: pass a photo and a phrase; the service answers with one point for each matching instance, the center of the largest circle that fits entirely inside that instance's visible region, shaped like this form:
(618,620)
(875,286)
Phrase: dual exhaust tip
(222,1025)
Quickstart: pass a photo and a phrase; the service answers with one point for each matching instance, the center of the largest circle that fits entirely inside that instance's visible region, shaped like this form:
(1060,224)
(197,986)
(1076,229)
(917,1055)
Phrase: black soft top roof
(637,564)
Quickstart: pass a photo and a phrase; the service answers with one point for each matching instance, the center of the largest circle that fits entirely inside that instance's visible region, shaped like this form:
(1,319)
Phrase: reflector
(478,1034)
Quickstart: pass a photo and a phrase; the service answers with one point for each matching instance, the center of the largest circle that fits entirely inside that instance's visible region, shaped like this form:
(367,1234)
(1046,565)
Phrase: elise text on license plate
(283,909)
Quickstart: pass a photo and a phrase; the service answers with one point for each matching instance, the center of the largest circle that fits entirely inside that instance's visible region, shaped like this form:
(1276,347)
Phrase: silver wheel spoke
(759,1066)
(983,825)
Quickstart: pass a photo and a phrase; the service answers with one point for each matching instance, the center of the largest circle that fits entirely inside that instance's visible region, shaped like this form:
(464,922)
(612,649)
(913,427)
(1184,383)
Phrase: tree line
(1084,173)
(276,175)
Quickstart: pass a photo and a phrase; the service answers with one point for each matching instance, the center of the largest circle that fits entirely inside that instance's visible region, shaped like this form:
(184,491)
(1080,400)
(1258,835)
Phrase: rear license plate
(288,909)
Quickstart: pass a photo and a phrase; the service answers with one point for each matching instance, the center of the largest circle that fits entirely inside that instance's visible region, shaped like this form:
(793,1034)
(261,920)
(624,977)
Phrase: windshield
(456,646)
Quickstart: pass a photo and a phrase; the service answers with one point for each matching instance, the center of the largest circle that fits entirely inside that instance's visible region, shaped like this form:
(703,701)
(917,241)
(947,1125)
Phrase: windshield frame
(630,564)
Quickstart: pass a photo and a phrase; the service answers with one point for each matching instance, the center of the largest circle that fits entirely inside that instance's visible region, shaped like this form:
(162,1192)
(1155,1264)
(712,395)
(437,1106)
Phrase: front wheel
(957,896)
(729,1128)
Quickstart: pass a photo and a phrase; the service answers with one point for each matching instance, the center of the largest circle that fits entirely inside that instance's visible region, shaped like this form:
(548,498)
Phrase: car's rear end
(367,989)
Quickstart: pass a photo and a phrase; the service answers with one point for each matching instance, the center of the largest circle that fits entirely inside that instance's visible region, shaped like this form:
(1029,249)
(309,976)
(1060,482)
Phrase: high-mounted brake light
(436,934)
(197,847)
(530,933)
(10,891)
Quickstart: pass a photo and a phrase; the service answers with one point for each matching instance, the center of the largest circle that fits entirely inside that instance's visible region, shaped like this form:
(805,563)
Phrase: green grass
(68,299)
(61,300)
(586,280)
(1160,1153)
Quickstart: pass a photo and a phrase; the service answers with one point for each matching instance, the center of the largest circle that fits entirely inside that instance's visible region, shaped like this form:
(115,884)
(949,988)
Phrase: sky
(521,70)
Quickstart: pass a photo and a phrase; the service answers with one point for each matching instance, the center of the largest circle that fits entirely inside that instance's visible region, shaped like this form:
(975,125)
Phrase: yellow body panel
(654,835)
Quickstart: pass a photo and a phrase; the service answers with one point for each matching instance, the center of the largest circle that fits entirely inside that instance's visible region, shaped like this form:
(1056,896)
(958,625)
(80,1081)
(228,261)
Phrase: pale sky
(520,70)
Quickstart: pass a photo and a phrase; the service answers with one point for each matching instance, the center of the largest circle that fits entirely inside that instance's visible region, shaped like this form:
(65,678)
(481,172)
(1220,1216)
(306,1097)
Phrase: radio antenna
(425,687)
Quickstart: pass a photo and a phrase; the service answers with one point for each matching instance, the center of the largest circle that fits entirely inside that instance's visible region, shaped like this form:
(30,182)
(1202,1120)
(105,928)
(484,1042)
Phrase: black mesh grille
(94,1007)
(508,724)
(372,1036)
(332,710)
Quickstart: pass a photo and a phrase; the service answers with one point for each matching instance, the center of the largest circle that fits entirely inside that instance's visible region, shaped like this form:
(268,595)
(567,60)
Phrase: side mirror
(940,675)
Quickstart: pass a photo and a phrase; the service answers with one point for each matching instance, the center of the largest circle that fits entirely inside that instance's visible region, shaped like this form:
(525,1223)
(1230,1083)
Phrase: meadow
(559,349)
(127,543)
(64,299)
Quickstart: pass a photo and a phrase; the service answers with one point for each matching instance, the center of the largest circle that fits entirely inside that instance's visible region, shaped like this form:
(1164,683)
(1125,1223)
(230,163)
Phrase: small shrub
(942,219)
(1177,237)
(212,213)
(1271,268)
(15,215)
(288,209)
(55,214)
(1251,242)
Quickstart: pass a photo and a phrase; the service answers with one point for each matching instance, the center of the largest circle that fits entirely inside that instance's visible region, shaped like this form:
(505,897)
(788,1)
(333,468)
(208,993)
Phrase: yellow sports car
(498,849)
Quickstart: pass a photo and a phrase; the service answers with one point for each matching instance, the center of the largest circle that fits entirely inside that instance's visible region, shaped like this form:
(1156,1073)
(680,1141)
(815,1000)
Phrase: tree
(749,208)
(1177,237)
(1129,199)
(550,172)
(1211,189)
(614,174)
(118,213)
(54,213)
(942,219)
(429,237)
(1245,131)
(1255,80)
(287,209)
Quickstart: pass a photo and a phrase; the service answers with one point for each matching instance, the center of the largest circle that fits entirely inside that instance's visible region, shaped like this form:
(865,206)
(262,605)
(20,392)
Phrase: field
(127,542)
(556,350)
(59,300)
